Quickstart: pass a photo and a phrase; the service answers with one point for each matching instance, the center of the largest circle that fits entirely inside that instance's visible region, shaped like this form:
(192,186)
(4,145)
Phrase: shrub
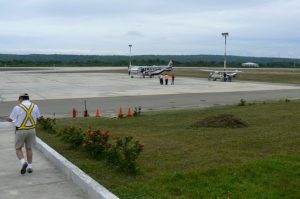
(242,102)
(125,153)
(96,143)
(72,135)
(47,124)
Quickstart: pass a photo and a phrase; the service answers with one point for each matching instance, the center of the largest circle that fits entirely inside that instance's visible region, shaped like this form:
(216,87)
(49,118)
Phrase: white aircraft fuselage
(150,71)
(222,75)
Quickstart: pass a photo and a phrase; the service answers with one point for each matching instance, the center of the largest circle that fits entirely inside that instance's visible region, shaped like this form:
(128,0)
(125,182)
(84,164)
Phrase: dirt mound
(221,121)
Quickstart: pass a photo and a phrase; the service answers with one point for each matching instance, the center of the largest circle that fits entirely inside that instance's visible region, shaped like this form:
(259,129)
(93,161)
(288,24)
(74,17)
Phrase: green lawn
(180,161)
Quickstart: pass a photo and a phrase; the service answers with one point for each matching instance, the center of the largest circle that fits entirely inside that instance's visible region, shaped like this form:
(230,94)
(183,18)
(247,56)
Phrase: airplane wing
(222,71)
(233,71)
(207,70)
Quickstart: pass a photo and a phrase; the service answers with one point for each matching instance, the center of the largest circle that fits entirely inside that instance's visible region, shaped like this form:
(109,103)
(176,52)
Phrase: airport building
(250,65)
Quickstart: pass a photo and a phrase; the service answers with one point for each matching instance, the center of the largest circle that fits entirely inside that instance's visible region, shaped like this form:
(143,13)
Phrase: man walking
(24,116)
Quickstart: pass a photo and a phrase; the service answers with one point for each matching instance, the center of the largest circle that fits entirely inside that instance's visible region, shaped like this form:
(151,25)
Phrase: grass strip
(181,161)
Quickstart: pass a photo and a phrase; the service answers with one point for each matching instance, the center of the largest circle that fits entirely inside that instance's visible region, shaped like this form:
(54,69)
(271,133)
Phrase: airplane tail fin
(170,65)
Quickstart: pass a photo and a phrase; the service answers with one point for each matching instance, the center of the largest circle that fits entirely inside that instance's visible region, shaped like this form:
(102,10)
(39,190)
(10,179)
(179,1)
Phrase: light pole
(130,54)
(225,34)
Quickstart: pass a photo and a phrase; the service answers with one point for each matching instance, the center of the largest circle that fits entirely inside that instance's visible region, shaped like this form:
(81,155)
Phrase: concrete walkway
(45,182)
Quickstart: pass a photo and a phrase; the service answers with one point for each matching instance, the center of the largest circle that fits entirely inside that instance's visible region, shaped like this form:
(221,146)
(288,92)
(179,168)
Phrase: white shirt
(18,114)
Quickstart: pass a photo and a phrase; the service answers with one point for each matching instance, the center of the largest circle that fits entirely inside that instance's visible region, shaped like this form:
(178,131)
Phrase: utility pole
(225,34)
(130,45)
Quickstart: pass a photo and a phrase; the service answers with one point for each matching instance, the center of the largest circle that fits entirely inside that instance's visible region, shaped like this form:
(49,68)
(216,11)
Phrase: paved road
(110,105)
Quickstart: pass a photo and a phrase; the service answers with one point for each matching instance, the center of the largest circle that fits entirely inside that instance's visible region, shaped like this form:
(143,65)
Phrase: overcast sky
(256,27)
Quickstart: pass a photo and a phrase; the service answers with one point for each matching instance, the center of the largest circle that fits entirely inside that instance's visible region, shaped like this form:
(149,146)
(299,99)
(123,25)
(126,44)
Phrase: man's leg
(29,155)
(19,153)
(30,141)
(20,156)
(29,159)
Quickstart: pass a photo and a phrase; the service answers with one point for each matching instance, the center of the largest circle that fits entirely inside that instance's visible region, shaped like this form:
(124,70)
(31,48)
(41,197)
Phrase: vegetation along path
(184,160)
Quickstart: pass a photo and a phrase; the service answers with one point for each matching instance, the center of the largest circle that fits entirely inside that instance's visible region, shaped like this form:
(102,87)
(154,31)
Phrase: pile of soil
(221,121)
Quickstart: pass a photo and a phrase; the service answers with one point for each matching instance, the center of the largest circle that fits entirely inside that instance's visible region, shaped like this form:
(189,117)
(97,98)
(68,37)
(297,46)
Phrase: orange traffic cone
(120,114)
(74,113)
(129,114)
(97,112)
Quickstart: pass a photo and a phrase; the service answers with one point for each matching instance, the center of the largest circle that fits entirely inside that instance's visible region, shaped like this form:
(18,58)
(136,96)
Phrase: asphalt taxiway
(58,90)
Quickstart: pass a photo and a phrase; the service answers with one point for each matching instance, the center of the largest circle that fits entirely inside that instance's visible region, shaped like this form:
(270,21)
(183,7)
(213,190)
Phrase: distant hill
(121,60)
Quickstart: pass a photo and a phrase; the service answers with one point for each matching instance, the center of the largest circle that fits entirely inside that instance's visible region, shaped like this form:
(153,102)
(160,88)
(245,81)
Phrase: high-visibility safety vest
(27,117)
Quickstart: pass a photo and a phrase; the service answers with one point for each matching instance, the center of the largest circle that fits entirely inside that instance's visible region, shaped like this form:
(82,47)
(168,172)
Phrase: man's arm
(13,115)
(6,119)
(37,112)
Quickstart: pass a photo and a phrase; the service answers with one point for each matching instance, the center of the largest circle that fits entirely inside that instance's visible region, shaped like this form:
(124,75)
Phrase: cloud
(134,34)
(256,28)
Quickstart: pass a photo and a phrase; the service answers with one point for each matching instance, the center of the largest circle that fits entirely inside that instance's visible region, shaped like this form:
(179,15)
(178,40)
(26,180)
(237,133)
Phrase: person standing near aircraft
(161,79)
(173,78)
(24,116)
(166,78)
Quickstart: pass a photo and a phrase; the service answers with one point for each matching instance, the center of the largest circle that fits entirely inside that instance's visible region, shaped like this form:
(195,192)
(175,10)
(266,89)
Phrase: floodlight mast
(225,34)
(130,45)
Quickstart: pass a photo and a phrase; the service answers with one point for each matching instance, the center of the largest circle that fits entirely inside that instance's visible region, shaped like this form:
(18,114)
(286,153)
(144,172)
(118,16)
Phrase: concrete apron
(46,181)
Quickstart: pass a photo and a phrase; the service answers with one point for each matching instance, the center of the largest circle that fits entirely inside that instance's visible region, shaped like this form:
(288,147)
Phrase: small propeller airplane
(225,75)
(150,71)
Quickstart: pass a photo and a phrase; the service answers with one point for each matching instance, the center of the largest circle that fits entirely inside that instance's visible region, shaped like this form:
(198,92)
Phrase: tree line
(40,60)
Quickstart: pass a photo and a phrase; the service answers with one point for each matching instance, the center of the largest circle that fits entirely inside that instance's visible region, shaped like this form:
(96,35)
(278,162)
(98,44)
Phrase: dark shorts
(26,137)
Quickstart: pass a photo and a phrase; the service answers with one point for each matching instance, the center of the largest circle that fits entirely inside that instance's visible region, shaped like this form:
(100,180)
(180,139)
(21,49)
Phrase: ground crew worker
(161,80)
(166,78)
(24,116)
(173,78)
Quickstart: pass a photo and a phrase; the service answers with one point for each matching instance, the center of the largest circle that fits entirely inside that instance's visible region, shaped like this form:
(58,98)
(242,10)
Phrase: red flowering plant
(124,154)
(96,143)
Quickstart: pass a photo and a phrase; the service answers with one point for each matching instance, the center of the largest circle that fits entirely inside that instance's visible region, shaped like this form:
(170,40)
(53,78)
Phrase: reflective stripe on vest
(28,117)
